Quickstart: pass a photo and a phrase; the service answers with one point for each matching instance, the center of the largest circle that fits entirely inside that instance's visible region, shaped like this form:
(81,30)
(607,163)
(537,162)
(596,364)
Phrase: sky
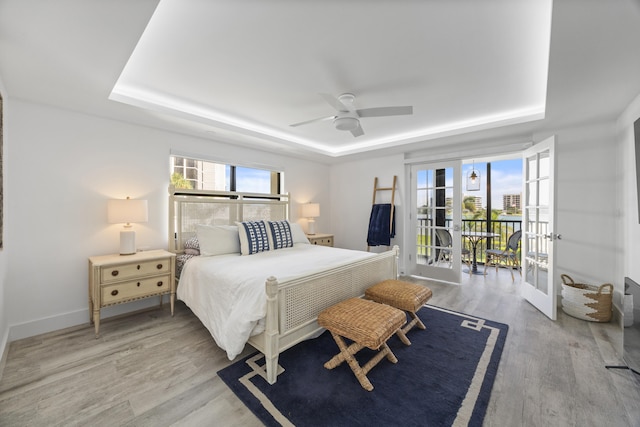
(506,177)
(251,180)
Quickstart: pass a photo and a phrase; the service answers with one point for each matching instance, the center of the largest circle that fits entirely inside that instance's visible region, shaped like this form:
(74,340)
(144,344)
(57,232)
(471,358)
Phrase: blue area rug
(445,376)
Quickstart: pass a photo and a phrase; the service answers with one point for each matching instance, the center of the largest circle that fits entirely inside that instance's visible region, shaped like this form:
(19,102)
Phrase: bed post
(271,332)
(396,250)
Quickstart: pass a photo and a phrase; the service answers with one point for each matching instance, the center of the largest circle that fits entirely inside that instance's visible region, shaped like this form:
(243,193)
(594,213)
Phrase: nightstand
(320,239)
(117,279)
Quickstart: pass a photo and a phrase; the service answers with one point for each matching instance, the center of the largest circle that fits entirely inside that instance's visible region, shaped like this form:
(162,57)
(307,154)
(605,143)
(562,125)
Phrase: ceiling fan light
(346,123)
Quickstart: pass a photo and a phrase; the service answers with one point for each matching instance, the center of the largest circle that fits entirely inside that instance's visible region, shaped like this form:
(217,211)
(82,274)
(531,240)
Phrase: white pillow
(254,237)
(297,233)
(218,239)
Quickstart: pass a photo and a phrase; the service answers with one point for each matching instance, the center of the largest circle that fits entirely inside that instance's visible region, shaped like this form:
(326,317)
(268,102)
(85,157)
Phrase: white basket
(586,302)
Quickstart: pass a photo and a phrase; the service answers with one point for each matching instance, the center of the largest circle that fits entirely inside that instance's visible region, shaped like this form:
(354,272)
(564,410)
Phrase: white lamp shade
(127,211)
(311,210)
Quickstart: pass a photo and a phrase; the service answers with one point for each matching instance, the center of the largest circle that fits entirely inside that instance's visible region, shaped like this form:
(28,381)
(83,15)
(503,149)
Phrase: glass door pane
(436,219)
(538,287)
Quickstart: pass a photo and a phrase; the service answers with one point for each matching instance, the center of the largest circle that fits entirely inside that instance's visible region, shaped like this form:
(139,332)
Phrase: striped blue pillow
(257,240)
(281,234)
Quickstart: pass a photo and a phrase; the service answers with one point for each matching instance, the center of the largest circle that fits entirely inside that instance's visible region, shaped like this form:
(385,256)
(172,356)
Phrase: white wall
(352,194)
(586,200)
(64,167)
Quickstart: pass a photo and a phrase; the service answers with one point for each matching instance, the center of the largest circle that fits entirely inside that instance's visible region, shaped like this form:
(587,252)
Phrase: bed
(243,293)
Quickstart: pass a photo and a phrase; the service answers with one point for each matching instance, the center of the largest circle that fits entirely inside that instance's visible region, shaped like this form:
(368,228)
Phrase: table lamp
(311,211)
(127,211)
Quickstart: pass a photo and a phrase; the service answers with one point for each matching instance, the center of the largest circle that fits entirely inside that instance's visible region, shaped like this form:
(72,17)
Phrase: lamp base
(127,242)
(312,226)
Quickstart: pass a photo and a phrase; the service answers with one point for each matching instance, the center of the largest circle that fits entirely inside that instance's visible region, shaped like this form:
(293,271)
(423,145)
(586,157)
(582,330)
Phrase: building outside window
(511,203)
(206,175)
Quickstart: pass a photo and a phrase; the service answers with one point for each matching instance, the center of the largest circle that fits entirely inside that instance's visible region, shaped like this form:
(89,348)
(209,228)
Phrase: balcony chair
(507,257)
(446,243)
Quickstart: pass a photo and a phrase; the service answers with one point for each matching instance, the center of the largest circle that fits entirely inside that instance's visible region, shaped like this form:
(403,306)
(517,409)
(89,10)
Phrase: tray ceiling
(255,67)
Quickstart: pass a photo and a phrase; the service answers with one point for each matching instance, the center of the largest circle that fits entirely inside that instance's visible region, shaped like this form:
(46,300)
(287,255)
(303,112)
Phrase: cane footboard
(293,306)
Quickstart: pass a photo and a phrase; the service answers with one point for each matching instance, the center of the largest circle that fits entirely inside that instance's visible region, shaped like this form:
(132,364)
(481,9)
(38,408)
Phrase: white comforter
(227,292)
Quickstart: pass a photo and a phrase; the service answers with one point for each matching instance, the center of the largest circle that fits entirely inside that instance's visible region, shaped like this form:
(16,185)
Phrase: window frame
(231,170)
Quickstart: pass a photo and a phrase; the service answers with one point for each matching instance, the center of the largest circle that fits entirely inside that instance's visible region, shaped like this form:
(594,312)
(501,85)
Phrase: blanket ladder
(376,189)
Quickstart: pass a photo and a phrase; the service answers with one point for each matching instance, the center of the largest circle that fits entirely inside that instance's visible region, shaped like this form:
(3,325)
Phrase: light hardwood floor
(149,369)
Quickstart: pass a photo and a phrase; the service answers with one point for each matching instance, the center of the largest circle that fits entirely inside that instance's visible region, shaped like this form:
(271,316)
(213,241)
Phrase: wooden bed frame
(292,305)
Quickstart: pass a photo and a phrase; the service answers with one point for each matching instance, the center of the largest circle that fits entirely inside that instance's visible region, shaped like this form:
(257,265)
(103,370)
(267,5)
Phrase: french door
(538,227)
(436,205)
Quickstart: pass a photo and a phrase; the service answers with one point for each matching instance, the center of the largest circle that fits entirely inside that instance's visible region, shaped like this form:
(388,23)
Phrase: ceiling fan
(348,116)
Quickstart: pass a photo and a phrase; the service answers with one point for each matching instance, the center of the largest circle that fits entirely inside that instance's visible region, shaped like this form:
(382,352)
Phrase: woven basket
(586,302)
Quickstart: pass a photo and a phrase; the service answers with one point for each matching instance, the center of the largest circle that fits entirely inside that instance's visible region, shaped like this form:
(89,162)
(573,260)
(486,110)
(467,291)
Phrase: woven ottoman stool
(404,296)
(367,324)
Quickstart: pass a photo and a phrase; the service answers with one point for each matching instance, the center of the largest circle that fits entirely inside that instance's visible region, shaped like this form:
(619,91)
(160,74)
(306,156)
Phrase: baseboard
(47,324)
(4,351)
(73,318)
(617,315)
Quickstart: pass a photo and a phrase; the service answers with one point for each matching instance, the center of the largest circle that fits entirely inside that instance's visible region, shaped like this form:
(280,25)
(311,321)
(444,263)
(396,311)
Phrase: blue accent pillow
(253,237)
(281,234)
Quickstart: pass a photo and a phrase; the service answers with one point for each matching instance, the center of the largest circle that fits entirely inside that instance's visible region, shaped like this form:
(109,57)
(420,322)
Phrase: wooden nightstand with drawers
(117,279)
(320,239)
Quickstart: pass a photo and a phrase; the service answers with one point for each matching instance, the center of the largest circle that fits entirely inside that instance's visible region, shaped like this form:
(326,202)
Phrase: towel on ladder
(379,232)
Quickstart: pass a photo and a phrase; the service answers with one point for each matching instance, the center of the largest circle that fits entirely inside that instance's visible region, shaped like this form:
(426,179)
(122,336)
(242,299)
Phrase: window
(206,175)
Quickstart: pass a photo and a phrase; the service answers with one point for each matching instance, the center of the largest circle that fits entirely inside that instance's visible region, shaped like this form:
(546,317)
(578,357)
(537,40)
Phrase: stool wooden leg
(384,351)
(402,334)
(347,354)
(390,356)
(415,322)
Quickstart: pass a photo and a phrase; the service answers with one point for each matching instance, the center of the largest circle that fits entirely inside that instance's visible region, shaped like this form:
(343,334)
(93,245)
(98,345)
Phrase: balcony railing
(502,227)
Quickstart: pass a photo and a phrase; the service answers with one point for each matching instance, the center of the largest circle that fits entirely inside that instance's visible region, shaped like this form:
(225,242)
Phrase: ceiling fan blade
(385,111)
(357,131)
(334,102)
(321,119)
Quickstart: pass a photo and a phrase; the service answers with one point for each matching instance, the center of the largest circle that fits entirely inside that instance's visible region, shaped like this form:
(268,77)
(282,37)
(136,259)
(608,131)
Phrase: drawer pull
(114,292)
(159,283)
(114,273)
(159,266)
(138,267)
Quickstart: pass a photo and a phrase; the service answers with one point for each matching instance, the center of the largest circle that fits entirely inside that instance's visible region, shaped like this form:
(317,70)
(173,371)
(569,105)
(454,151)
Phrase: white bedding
(227,292)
